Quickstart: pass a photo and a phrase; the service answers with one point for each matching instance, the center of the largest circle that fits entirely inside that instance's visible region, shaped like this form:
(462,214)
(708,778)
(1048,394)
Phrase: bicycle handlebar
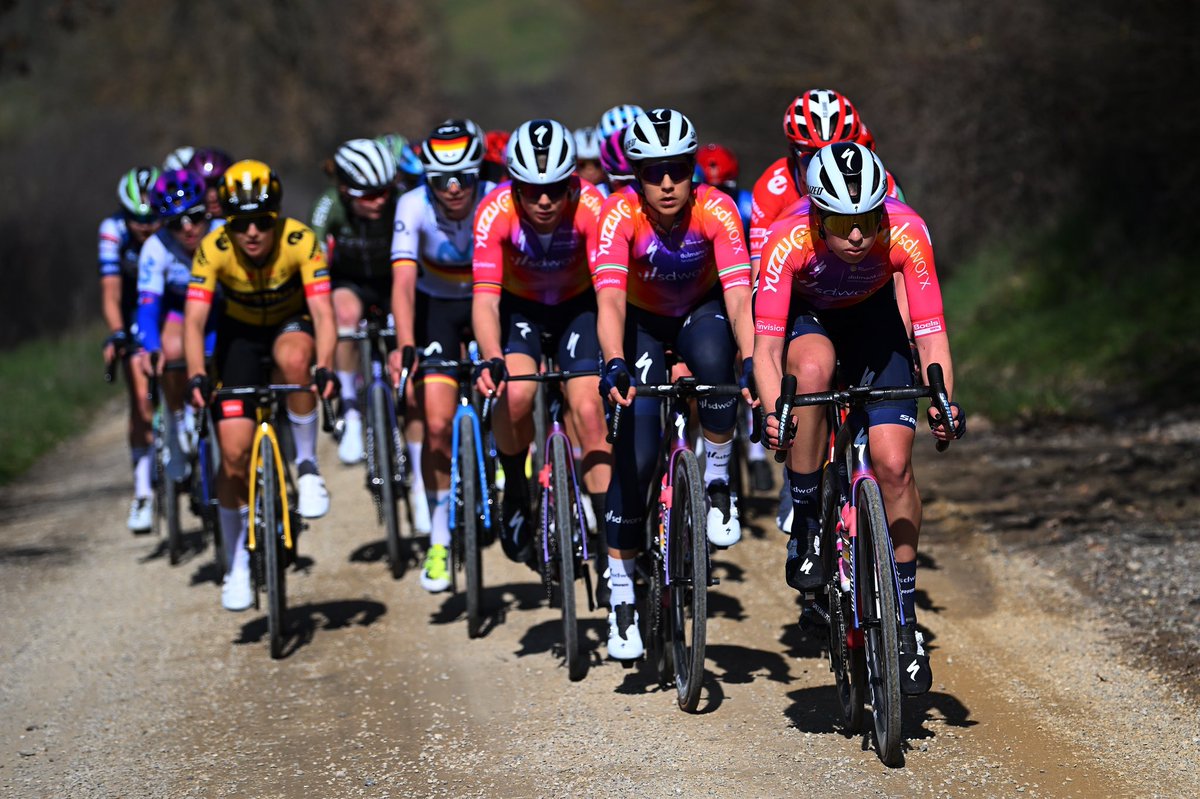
(614,421)
(264,395)
(408,356)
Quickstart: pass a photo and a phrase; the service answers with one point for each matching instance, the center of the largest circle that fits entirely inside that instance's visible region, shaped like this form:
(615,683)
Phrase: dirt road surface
(122,676)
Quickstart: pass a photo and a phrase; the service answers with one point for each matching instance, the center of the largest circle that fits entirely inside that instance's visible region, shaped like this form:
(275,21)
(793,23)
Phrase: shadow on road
(376,552)
(303,621)
(497,601)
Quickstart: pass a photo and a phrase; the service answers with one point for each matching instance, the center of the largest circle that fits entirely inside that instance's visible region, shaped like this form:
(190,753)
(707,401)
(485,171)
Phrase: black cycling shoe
(814,618)
(804,572)
(915,676)
(761,478)
(516,532)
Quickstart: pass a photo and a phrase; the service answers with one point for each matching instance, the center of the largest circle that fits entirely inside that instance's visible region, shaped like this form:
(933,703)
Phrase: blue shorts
(872,349)
(567,331)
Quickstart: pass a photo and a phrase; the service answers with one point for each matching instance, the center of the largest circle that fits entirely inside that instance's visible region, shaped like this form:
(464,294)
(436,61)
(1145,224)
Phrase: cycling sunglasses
(678,171)
(584,163)
(368,194)
(240,224)
(194,217)
(532,192)
(841,225)
(445,181)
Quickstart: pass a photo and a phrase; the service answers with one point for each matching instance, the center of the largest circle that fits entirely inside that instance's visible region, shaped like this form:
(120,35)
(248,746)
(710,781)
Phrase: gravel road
(1060,668)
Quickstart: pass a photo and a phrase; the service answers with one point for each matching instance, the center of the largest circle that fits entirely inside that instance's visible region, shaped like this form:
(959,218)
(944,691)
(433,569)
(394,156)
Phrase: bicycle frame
(266,430)
(554,409)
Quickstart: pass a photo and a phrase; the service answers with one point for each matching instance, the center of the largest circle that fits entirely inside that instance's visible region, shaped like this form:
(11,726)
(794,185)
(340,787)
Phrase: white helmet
(541,151)
(617,117)
(364,166)
(587,144)
(846,178)
(178,158)
(456,145)
(659,133)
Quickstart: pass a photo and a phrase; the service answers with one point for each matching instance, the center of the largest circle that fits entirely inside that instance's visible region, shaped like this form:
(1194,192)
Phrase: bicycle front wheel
(566,529)
(687,545)
(879,606)
(269,541)
(468,480)
(174,525)
(385,474)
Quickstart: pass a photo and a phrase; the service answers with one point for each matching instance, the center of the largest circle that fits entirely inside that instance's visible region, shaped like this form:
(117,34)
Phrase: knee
(893,470)
(294,363)
(519,403)
(589,423)
(235,462)
(812,376)
(437,433)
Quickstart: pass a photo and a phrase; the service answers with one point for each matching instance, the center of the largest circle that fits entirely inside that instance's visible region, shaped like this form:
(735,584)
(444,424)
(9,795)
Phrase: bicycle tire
(846,662)
(468,480)
(174,524)
(655,637)
(879,603)
(269,540)
(566,534)
(688,552)
(537,456)
(385,475)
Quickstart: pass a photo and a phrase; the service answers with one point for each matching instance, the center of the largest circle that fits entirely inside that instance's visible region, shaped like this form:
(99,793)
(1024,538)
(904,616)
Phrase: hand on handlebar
(490,377)
(958,419)
(326,382)
(612,379)
(199,390)
(746,381)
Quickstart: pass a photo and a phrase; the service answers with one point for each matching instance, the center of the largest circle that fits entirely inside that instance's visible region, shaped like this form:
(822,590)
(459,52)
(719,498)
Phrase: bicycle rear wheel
(384,475)
(687,546)
(269,540)
(879,606)
(174,526)
(846,662)
(468,480)
(566,533)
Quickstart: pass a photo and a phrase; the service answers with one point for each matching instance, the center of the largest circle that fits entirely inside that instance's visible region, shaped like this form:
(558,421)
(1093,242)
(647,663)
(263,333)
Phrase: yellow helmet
(250,187)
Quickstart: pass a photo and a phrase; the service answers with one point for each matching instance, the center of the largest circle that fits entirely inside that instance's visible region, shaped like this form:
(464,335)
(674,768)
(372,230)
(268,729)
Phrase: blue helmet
(407,160)
(177,192)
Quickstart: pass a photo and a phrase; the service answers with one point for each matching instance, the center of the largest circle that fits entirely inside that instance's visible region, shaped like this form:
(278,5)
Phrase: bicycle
(172,469)
(274,523)
(472,486)
(675,563)
(389,475)
(563,522)
(203,488)
(863,590)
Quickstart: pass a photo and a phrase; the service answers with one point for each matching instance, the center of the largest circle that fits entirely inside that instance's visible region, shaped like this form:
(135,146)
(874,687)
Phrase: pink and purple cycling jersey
(671,273)
(547,268)
(796,263)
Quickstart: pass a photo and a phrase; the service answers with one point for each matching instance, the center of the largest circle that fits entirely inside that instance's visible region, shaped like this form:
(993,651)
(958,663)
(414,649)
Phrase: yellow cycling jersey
(261,295)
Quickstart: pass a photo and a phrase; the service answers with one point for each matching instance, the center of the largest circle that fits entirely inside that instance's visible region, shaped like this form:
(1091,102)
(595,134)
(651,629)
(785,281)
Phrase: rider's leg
(293,354)
(347,309)
(439,395)
(141,439)
(235,437)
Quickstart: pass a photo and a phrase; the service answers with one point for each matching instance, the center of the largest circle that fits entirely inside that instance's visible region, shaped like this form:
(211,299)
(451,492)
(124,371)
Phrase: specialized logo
(644,362)
(912,670)
(540,133)
(572,342)
(806,567)
(525,329)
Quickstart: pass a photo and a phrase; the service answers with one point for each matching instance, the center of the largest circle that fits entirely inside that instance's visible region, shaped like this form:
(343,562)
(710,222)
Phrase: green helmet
(406,159)
(133,191)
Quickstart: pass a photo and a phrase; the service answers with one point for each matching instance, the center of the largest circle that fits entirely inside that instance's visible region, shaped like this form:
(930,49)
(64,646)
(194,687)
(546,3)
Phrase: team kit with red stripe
(626,281)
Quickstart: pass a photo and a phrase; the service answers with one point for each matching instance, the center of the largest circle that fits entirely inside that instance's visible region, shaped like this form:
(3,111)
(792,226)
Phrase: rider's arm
(610,322)
(406,240)
(485,317)
(487,268)
(314,273)
(733,266)
(151,284)
(321,308)
(772,307)
(198,306)
(935,348)
(110,302)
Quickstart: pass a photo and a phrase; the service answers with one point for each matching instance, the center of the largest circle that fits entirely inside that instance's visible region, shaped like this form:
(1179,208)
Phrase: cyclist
(494,155)
(276,288)
(836,256)
(164,271)
(210,164)
(672,271)
(533,296)
(431,303)
(353,220)
(813,119)
(587,158)
(409,172)
(122,236)
(614,162)
(617,118)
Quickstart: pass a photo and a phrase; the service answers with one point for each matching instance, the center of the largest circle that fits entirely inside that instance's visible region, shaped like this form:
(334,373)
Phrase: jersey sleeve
(322,214)
(787,246)
(612,251)
(765,199)
(314,272)
(724,228)
(491,228)
(912,252)
(206,266)
(587,220)
(110,248)
(406,233)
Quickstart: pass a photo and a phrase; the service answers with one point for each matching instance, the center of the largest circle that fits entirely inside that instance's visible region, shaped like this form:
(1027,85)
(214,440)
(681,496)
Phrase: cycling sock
(908,589)
(756,451)
(349,393)
(597,501)
(141,472)
(189,416)
(440,532)
(234,528)
(716,461)
(514,473)
(806,500)
(620,580)
(304,435)
(414,465)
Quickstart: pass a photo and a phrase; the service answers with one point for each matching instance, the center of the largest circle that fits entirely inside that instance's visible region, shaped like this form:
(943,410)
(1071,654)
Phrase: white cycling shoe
(350,448)
(723,527)
(624,635)
(236,591)
(141,515)
(313,501)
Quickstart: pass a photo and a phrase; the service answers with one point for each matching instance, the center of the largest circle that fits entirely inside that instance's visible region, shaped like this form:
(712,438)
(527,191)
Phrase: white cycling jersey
(441,248)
